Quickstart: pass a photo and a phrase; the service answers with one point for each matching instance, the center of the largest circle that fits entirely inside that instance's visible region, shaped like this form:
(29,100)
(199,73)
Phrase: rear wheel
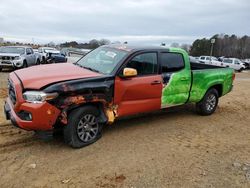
(209,103)
(83,127)
(38,62)
(53,61)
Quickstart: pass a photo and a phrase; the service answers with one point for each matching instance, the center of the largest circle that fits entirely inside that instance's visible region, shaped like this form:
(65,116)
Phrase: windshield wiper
(94,70)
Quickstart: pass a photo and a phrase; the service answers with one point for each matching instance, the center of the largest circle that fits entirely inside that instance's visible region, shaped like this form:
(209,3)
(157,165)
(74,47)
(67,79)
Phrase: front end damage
(108,110)
(77,93)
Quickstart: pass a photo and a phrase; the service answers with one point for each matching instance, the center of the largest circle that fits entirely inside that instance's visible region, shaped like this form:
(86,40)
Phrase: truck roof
(135,47)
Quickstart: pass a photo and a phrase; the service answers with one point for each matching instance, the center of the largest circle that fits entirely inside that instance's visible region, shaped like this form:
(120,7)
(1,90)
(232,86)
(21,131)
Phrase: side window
(171,62)
(31,50)
(145,63)
(202,58)
(28,51)
(236,62)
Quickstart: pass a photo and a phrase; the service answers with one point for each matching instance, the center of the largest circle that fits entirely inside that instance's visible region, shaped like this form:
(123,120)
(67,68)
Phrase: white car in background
(44,51)
(210,60)
(234,63)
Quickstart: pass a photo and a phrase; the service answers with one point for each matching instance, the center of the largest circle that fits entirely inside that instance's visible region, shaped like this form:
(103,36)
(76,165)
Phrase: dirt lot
(171,148)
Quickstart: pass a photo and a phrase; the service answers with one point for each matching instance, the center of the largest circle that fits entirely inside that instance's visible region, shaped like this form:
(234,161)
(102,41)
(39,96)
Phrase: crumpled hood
(9,54)
(39,76)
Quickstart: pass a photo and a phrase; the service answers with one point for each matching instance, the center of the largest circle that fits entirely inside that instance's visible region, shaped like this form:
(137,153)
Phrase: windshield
(102,59)
(16,50)
(214,59)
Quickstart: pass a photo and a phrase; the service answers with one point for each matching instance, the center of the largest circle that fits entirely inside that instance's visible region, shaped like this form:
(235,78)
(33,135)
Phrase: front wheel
(83,127)
(209,103)
(240,70)
(25,64)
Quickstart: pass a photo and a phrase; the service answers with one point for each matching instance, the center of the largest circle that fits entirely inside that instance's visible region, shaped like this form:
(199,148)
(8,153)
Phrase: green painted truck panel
(205,79)
(189,85)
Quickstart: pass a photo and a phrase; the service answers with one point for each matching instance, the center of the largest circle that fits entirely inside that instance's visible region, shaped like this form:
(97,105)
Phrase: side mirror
(129,72)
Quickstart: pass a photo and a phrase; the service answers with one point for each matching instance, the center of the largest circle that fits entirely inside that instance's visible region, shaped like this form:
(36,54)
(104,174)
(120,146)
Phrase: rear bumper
(44,115)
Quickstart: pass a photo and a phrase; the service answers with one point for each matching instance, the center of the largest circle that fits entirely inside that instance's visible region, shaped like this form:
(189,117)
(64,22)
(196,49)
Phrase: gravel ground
(170,148)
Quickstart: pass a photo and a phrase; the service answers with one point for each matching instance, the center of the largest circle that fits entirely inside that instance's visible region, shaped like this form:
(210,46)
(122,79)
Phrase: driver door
(141,93)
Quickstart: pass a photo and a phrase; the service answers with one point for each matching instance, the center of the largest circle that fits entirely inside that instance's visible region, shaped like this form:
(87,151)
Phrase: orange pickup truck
(108,83)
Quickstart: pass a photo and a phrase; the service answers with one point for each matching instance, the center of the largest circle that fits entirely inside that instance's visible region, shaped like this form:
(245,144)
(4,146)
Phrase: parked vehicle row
(17,57)
(233,63)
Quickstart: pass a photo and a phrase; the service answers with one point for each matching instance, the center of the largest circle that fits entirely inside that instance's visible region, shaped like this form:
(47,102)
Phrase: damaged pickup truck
(108,83)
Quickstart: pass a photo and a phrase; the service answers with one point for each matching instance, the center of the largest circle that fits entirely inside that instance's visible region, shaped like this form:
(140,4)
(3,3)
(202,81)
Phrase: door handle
(184,79)
(156,82)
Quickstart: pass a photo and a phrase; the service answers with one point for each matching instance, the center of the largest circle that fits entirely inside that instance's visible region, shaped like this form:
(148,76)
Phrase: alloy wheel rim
(87,128)
(211,102)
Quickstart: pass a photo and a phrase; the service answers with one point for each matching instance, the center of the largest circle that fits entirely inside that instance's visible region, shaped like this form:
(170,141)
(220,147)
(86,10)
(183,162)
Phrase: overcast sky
(140,21)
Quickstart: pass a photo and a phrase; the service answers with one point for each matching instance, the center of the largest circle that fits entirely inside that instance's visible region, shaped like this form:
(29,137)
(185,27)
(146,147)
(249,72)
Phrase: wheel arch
(98,105)
(218,87)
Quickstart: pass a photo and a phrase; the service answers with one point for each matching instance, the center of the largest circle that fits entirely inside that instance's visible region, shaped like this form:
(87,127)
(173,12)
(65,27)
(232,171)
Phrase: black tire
(208,104)
(38,62)
(25,65)
(82,129)
(43,60)
(241,69)
(53,61)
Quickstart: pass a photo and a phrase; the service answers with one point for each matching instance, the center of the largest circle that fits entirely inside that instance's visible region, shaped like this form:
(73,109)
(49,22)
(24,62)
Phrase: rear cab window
(171,62)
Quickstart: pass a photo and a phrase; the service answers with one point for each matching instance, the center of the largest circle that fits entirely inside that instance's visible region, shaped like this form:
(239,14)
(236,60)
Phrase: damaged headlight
(38,96)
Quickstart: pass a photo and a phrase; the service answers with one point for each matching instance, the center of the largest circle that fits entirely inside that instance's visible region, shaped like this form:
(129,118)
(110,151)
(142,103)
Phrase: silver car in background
(17,57)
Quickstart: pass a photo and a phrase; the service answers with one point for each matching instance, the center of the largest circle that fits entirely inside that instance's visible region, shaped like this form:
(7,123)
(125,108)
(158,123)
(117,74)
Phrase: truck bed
(203,77)
(199,66)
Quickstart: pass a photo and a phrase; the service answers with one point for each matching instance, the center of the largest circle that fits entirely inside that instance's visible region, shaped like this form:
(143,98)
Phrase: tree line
(92,44)
(225,45)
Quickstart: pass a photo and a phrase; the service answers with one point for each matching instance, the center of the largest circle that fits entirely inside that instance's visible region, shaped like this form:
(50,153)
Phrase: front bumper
(6,64)
(11,63)
(44,115)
